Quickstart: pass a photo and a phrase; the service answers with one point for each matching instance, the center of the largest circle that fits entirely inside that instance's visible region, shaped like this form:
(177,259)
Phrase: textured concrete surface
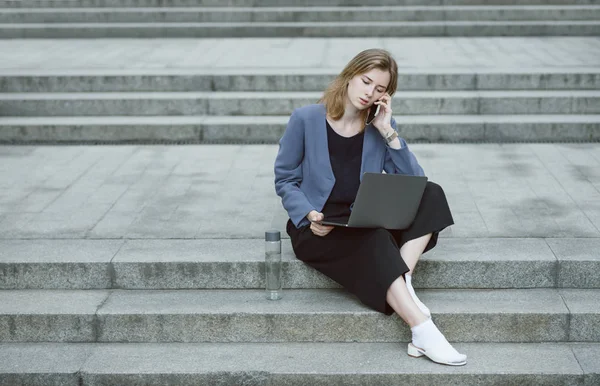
(271,3)
(585,321)
(324,364)
(294,364)
(529,67)
(176,264)
(239,263)
(302,316)
(299,29)
(371,13)
(269,129)
(587,356)
(508,263)
(169,78)
(42,364)
(207,192)
(56,263)
(579,260)
(230,316)
(471,315)
(473,54)
(327,315)
(49,316)
(277,103)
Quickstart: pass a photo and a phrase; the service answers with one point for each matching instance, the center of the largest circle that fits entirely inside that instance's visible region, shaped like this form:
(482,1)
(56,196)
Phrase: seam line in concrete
(558,180)
(87,233)
(81,371)
(96,323)
(578,363)
(569,314)
(66,162)
(557,265)
(111,267)
(73,182)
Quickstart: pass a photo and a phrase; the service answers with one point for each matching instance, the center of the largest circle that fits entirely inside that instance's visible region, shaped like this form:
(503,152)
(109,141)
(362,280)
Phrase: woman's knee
(434,190)
(379,234)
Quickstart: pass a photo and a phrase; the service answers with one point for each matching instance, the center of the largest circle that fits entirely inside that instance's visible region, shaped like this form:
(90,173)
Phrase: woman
(322,155)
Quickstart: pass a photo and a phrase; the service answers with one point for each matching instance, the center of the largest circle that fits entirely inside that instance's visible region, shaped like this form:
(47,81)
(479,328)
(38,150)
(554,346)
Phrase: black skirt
(367,261)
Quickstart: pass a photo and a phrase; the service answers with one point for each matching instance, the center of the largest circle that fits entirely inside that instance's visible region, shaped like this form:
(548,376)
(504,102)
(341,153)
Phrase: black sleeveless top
(345,155)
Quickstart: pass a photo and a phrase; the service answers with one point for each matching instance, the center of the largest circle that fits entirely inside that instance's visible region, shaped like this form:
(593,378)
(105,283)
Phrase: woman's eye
(365,82)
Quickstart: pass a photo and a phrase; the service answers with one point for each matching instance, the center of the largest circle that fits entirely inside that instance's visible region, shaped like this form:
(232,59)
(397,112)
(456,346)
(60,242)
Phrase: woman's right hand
(320,230)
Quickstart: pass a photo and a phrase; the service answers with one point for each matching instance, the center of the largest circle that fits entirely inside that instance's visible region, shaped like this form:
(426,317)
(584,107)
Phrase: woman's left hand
(383,120)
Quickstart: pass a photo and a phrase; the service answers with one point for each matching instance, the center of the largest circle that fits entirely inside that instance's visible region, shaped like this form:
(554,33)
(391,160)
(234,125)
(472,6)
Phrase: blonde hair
(334,97)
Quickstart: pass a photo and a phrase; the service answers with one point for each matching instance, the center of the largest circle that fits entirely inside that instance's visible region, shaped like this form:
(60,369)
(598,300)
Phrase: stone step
(290,80)
(300,29)
(269,129)
(309,315)
(294,364)
(294,14)
(277,3)
(277,103)
(239,264)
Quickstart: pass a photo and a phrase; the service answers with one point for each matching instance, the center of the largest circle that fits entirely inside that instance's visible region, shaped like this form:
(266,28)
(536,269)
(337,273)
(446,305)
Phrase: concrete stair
(108,312)
(277,3)
(280,103)
(299,364)
(317,14)
(319,315)
(179,19)
(492,263)
(451,105)
(85,299)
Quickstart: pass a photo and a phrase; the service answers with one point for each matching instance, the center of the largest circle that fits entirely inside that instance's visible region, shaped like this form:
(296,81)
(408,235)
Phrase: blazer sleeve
(288,170)
(401,161)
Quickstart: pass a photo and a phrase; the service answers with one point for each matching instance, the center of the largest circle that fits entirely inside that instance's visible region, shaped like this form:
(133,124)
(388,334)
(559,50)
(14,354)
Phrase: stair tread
(295,24)
(282,120)
(252,250)
(307,9)
(299,94)
(288,359)
(301,302)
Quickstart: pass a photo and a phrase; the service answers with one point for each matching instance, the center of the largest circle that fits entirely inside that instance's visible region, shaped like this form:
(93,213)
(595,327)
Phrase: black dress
(364,261)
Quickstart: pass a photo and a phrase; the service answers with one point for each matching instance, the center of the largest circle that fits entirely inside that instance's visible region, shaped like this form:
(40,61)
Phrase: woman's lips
(363,101)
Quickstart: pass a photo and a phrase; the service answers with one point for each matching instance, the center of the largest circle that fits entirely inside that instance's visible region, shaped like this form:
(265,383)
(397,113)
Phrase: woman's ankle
(427,334)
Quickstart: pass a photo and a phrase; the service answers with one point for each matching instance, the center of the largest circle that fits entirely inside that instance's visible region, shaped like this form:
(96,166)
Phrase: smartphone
(373,111)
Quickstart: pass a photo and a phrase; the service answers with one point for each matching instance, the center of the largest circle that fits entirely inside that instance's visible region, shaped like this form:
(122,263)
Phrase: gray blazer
(303,175)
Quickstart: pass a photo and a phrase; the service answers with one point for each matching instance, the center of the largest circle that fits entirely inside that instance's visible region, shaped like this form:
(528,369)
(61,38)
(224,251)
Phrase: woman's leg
(426,338)
(400,300)
(412,250)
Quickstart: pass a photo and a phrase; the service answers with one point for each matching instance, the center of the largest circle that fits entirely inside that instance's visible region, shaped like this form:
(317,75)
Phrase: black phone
(373,111)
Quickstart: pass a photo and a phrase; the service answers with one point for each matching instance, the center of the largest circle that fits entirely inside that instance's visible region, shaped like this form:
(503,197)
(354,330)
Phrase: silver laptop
(387,201)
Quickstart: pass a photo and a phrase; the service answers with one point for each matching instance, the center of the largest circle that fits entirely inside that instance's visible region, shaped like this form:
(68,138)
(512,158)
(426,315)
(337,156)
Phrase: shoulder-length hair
(334,97)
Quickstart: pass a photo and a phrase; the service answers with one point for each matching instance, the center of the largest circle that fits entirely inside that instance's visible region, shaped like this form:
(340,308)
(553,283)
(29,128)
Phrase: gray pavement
(252,54)
(226,191)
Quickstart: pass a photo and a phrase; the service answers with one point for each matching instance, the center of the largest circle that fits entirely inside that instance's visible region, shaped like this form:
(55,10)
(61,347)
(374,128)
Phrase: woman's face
(364,89)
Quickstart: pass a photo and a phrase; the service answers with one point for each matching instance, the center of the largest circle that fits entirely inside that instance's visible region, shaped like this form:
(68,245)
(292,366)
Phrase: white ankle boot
(429,341)
(411,291)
